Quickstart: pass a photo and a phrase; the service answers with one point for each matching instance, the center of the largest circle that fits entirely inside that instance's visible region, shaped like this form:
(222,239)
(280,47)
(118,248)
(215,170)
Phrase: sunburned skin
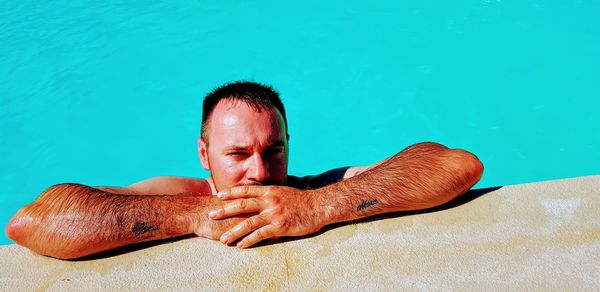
(419,177)
(247,146)
(246,151)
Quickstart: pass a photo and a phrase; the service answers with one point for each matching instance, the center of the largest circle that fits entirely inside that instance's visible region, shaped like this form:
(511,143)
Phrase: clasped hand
(280,211)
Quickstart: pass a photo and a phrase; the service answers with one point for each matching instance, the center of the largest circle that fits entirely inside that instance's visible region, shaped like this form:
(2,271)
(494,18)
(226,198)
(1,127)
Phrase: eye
(236,154)
(274,151)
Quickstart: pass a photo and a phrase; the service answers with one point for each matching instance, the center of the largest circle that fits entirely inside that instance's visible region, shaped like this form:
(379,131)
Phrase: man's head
(244,136)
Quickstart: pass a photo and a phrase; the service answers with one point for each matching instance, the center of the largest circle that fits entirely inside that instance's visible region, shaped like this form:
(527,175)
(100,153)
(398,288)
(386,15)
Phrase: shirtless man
(249,196)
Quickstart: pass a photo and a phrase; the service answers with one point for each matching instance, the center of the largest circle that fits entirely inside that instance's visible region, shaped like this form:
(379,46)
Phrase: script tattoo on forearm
(143,227)
(367,204)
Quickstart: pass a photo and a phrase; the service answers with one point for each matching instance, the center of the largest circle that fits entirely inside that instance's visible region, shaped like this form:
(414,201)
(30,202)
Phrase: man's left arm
(421,176)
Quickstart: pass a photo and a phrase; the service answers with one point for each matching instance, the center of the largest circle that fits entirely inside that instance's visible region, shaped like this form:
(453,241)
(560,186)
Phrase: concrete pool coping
(543,235)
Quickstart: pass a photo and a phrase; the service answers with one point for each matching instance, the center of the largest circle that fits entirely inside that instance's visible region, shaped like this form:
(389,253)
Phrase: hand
(212,229)
(282,211)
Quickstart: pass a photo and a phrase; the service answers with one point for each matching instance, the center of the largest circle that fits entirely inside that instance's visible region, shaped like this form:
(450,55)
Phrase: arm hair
(421,176)
(73,220)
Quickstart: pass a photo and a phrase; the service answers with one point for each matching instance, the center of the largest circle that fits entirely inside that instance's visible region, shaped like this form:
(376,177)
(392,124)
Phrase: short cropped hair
(254,94)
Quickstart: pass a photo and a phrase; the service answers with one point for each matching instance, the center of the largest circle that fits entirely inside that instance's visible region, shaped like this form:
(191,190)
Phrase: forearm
(420,177)
(70,220)
(119,190)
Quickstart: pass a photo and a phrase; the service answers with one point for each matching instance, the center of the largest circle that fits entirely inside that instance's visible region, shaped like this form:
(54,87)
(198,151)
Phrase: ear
(203,153)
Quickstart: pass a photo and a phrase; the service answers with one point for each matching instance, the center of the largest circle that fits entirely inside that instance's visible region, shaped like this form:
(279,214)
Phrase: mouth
(264,183)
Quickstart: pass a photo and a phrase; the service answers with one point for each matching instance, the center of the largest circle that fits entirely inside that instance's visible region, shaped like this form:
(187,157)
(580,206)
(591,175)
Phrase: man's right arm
(72,220)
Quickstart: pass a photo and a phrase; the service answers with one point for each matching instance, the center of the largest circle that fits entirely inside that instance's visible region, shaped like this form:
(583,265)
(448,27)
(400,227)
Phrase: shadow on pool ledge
(129,248)
(463,199)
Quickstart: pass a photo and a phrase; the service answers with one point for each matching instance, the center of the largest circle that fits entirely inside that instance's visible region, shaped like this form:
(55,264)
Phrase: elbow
(464,164)
(18,226)
(23,226)
(478,169)
(470,168)
(475,168)
(30,226)
(12,230)
(464,168)
(22,230)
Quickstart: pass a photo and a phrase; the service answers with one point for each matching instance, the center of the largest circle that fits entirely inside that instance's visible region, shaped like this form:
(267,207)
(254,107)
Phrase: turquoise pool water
(109,93)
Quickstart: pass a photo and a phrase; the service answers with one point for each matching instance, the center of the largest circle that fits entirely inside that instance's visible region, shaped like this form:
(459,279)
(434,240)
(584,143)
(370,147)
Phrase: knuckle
(259,220)
(280,224)
(253,222)
(243,204)
(260,234)
(257,203)
(278,211)
(275,200)
(249,223)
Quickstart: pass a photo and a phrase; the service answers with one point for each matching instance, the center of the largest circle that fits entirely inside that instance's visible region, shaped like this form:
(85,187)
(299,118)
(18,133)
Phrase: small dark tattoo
(366,204)
(143,227)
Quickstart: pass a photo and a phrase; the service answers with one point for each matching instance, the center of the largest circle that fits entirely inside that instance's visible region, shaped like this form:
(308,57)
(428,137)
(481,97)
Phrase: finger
(243,228)
(235,208)
(244,192)
(258,235)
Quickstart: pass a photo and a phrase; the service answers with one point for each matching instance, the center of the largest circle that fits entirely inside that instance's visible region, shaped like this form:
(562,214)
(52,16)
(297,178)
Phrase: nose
(257,169)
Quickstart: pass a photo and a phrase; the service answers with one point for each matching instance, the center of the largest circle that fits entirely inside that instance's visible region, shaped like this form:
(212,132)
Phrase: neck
(211,183)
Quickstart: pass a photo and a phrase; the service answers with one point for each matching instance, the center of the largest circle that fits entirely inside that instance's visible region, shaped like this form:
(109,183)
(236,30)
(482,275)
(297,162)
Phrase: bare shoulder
(319,180)
(328,177)
(171,185)
(355,170)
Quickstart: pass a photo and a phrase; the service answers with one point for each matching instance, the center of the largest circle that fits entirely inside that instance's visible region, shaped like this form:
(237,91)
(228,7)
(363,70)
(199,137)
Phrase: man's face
(246,146)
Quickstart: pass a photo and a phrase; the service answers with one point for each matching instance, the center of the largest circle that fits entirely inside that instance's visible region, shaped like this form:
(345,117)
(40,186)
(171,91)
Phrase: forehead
(234,122)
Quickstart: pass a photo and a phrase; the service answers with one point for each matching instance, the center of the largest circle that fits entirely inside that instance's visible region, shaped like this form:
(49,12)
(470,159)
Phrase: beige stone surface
(540,236)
